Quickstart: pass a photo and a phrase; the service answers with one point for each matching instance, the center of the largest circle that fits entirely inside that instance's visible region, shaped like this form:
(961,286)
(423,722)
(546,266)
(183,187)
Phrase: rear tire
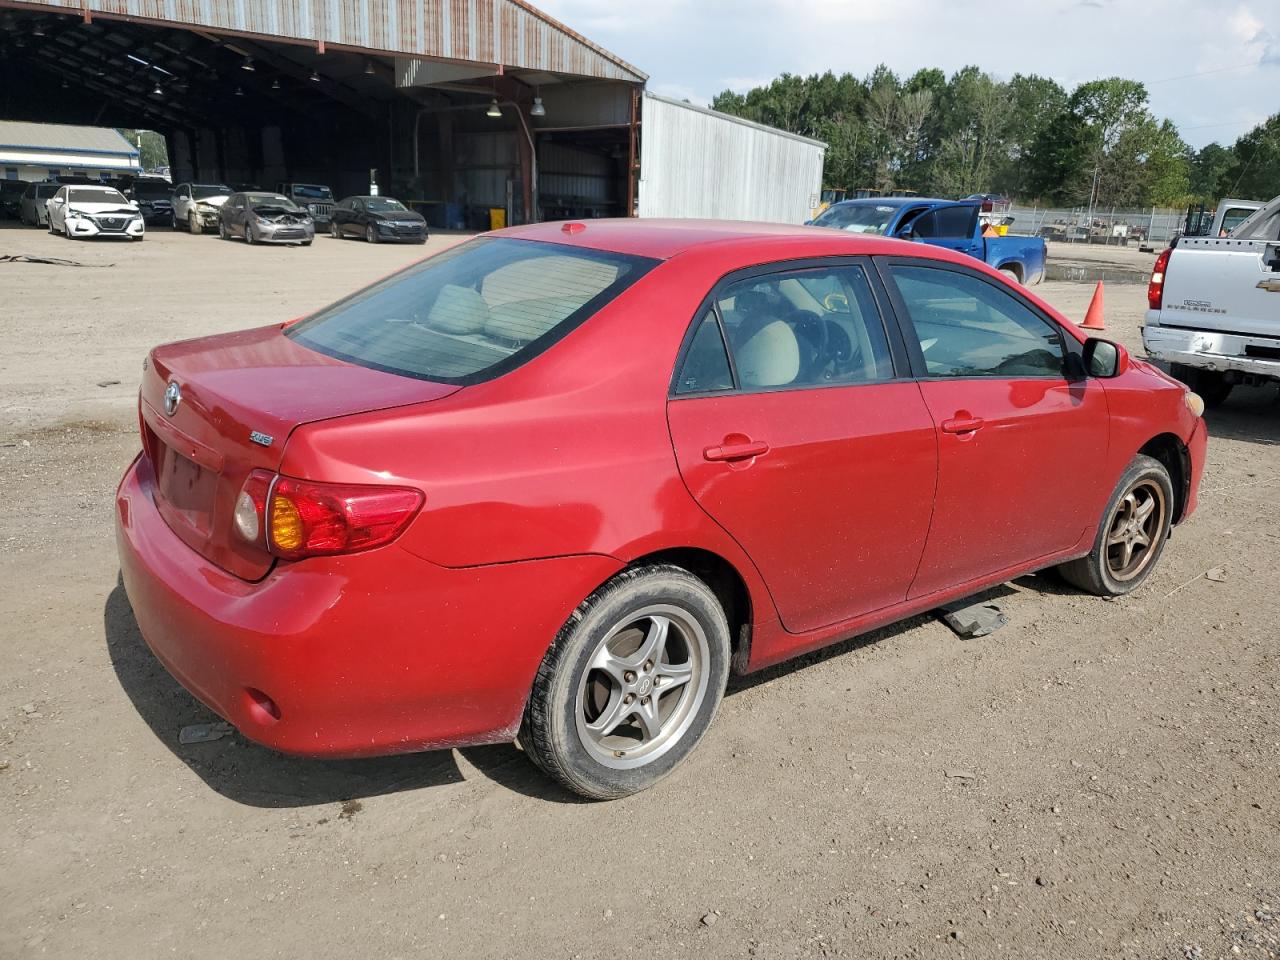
(1210,384)
(1011,275)
(334,231)
(630,684)
(1132,534)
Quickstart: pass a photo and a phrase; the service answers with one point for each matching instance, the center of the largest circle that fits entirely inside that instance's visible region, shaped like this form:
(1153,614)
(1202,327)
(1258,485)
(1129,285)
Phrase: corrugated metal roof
(64,138)
(511,33)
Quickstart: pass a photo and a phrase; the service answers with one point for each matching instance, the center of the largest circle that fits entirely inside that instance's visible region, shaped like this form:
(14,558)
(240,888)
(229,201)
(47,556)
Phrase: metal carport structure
(265,91)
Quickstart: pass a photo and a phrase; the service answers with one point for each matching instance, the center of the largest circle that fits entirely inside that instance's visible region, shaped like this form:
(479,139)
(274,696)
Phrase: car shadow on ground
(256,776)
(237,768)
(1250,414)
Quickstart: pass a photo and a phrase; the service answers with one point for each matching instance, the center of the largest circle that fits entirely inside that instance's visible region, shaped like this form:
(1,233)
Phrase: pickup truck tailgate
(1223,284)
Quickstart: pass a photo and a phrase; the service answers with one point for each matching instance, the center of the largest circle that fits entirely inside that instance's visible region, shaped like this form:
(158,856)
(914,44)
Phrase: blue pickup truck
(956,225)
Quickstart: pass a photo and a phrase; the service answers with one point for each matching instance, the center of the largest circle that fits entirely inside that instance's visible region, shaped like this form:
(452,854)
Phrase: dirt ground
(1097,779)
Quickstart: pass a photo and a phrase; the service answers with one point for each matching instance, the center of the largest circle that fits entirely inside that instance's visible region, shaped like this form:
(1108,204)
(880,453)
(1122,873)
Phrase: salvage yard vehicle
(1215,307)
(1221,220)
(377,220)
(559,481)
(154,200)
(315,198)
(195,205)
(33,208)
(79,212)
(265,218)
(11,197)
(954,225)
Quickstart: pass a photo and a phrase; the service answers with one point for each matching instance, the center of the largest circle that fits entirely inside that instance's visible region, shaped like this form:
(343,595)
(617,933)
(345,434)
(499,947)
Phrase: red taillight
(1155,289)
(307,519)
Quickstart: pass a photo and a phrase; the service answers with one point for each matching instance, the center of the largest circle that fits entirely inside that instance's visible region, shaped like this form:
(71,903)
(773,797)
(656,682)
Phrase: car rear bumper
(1211,349)
(374,653)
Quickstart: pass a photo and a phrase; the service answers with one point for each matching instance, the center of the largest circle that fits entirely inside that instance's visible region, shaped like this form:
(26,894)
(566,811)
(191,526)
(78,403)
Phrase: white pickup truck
(1215,307)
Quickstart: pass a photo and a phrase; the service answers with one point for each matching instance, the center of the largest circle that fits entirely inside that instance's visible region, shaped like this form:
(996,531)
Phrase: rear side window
(473,312)
(946,222)
(970,328)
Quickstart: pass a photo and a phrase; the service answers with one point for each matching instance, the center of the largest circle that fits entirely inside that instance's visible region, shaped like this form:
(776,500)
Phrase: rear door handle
(736,451)
(962,425)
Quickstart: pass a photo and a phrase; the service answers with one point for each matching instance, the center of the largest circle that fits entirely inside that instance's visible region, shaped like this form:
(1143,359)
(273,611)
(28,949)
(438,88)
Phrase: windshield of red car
(472,312)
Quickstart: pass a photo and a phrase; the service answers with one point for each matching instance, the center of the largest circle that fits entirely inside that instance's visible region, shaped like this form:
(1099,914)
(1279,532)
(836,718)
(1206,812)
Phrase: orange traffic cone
(1093,318)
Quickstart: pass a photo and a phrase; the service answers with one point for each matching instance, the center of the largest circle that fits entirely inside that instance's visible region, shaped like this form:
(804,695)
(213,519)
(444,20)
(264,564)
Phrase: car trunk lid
(238,397)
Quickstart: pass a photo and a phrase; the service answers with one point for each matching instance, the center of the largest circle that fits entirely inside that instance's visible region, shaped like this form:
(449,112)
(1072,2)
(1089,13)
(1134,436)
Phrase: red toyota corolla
(559,481)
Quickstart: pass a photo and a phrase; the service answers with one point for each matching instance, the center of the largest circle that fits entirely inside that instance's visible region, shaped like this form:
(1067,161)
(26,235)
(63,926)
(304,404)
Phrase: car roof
(889,201)
(746,241)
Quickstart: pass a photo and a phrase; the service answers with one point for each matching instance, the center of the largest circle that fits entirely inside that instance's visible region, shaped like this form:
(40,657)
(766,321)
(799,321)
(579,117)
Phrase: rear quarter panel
(1027,252)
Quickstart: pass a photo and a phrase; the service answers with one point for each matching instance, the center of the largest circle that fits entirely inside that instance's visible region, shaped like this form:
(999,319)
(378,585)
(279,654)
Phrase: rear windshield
(473,312)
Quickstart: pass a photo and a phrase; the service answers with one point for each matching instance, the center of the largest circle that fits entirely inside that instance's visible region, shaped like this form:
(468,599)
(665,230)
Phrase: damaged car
(265,218)
(80,212)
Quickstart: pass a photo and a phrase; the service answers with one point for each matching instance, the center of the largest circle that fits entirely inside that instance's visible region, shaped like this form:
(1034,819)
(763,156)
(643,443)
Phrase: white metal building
(42,151)
(696,162)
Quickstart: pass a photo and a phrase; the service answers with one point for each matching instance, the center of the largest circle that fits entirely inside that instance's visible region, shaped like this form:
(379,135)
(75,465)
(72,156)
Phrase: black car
(11,197)
(378,220)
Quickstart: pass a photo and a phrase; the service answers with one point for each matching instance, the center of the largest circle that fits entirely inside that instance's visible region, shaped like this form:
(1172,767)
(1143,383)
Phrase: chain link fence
(1111,226)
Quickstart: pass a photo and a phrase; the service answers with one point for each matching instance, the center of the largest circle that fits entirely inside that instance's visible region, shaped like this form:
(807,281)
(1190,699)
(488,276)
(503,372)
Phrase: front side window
(472,312)
(968,327)
(804,328)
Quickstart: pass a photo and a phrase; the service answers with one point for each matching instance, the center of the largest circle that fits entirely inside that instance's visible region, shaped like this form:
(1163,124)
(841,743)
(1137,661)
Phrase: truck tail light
(1155,289)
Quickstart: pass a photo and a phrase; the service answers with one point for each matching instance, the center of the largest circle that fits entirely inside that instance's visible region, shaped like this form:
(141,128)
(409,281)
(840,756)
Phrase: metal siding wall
(565,172)
(697,164)
(489,31)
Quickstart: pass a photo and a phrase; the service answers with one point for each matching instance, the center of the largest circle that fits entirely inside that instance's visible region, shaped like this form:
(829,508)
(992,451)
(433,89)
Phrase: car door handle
(736,451)
(962,425)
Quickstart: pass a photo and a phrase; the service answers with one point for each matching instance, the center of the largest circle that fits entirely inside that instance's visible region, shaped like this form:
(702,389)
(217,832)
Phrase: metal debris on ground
(204,732)
(52,261)
(972,620)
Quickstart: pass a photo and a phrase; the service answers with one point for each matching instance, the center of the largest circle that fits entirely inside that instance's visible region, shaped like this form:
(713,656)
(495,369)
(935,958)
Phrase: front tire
(334,231)
(1212,385)
(1132,535)
(248,234)
(630,685)
(371,234)
(193,225)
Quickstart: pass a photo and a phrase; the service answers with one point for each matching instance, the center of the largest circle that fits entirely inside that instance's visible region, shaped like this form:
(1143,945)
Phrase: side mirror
(1104,359)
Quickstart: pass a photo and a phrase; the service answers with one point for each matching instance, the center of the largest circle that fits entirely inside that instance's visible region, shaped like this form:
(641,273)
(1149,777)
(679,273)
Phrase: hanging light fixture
(537,110)
(494,110)
(37,31)
(275,84)
(315,77)
(368,68)
(248,64)
(239,91)
(158,90)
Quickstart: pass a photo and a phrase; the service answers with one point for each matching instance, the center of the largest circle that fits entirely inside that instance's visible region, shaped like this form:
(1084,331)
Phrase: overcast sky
(696,48)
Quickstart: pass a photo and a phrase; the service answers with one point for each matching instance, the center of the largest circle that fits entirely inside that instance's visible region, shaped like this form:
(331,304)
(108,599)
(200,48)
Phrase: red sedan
(559,481)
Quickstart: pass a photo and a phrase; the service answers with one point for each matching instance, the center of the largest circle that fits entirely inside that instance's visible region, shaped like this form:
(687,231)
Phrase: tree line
(1027,138)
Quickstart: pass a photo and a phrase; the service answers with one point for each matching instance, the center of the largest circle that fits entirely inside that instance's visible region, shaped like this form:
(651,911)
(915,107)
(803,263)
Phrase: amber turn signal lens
(287,531)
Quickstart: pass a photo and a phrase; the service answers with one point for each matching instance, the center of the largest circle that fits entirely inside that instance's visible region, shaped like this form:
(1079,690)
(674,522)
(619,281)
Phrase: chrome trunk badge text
(172,397)
(263,439)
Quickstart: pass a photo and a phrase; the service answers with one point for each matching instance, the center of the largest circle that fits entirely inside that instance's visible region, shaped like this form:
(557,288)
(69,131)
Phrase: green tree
(1210,167)
(153,151)
(1256,171)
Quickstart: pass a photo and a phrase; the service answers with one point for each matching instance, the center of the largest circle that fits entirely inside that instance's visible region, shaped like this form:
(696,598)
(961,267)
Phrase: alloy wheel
(1138,523)
(642,687)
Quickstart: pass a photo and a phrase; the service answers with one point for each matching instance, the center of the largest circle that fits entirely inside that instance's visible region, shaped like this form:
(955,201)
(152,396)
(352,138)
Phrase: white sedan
(88,211)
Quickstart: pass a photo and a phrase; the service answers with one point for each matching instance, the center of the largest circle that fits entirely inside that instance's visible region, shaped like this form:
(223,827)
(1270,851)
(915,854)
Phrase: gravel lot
(1098,779)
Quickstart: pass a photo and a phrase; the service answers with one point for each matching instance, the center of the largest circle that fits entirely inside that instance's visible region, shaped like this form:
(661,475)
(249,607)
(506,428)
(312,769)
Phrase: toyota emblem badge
(172,397)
